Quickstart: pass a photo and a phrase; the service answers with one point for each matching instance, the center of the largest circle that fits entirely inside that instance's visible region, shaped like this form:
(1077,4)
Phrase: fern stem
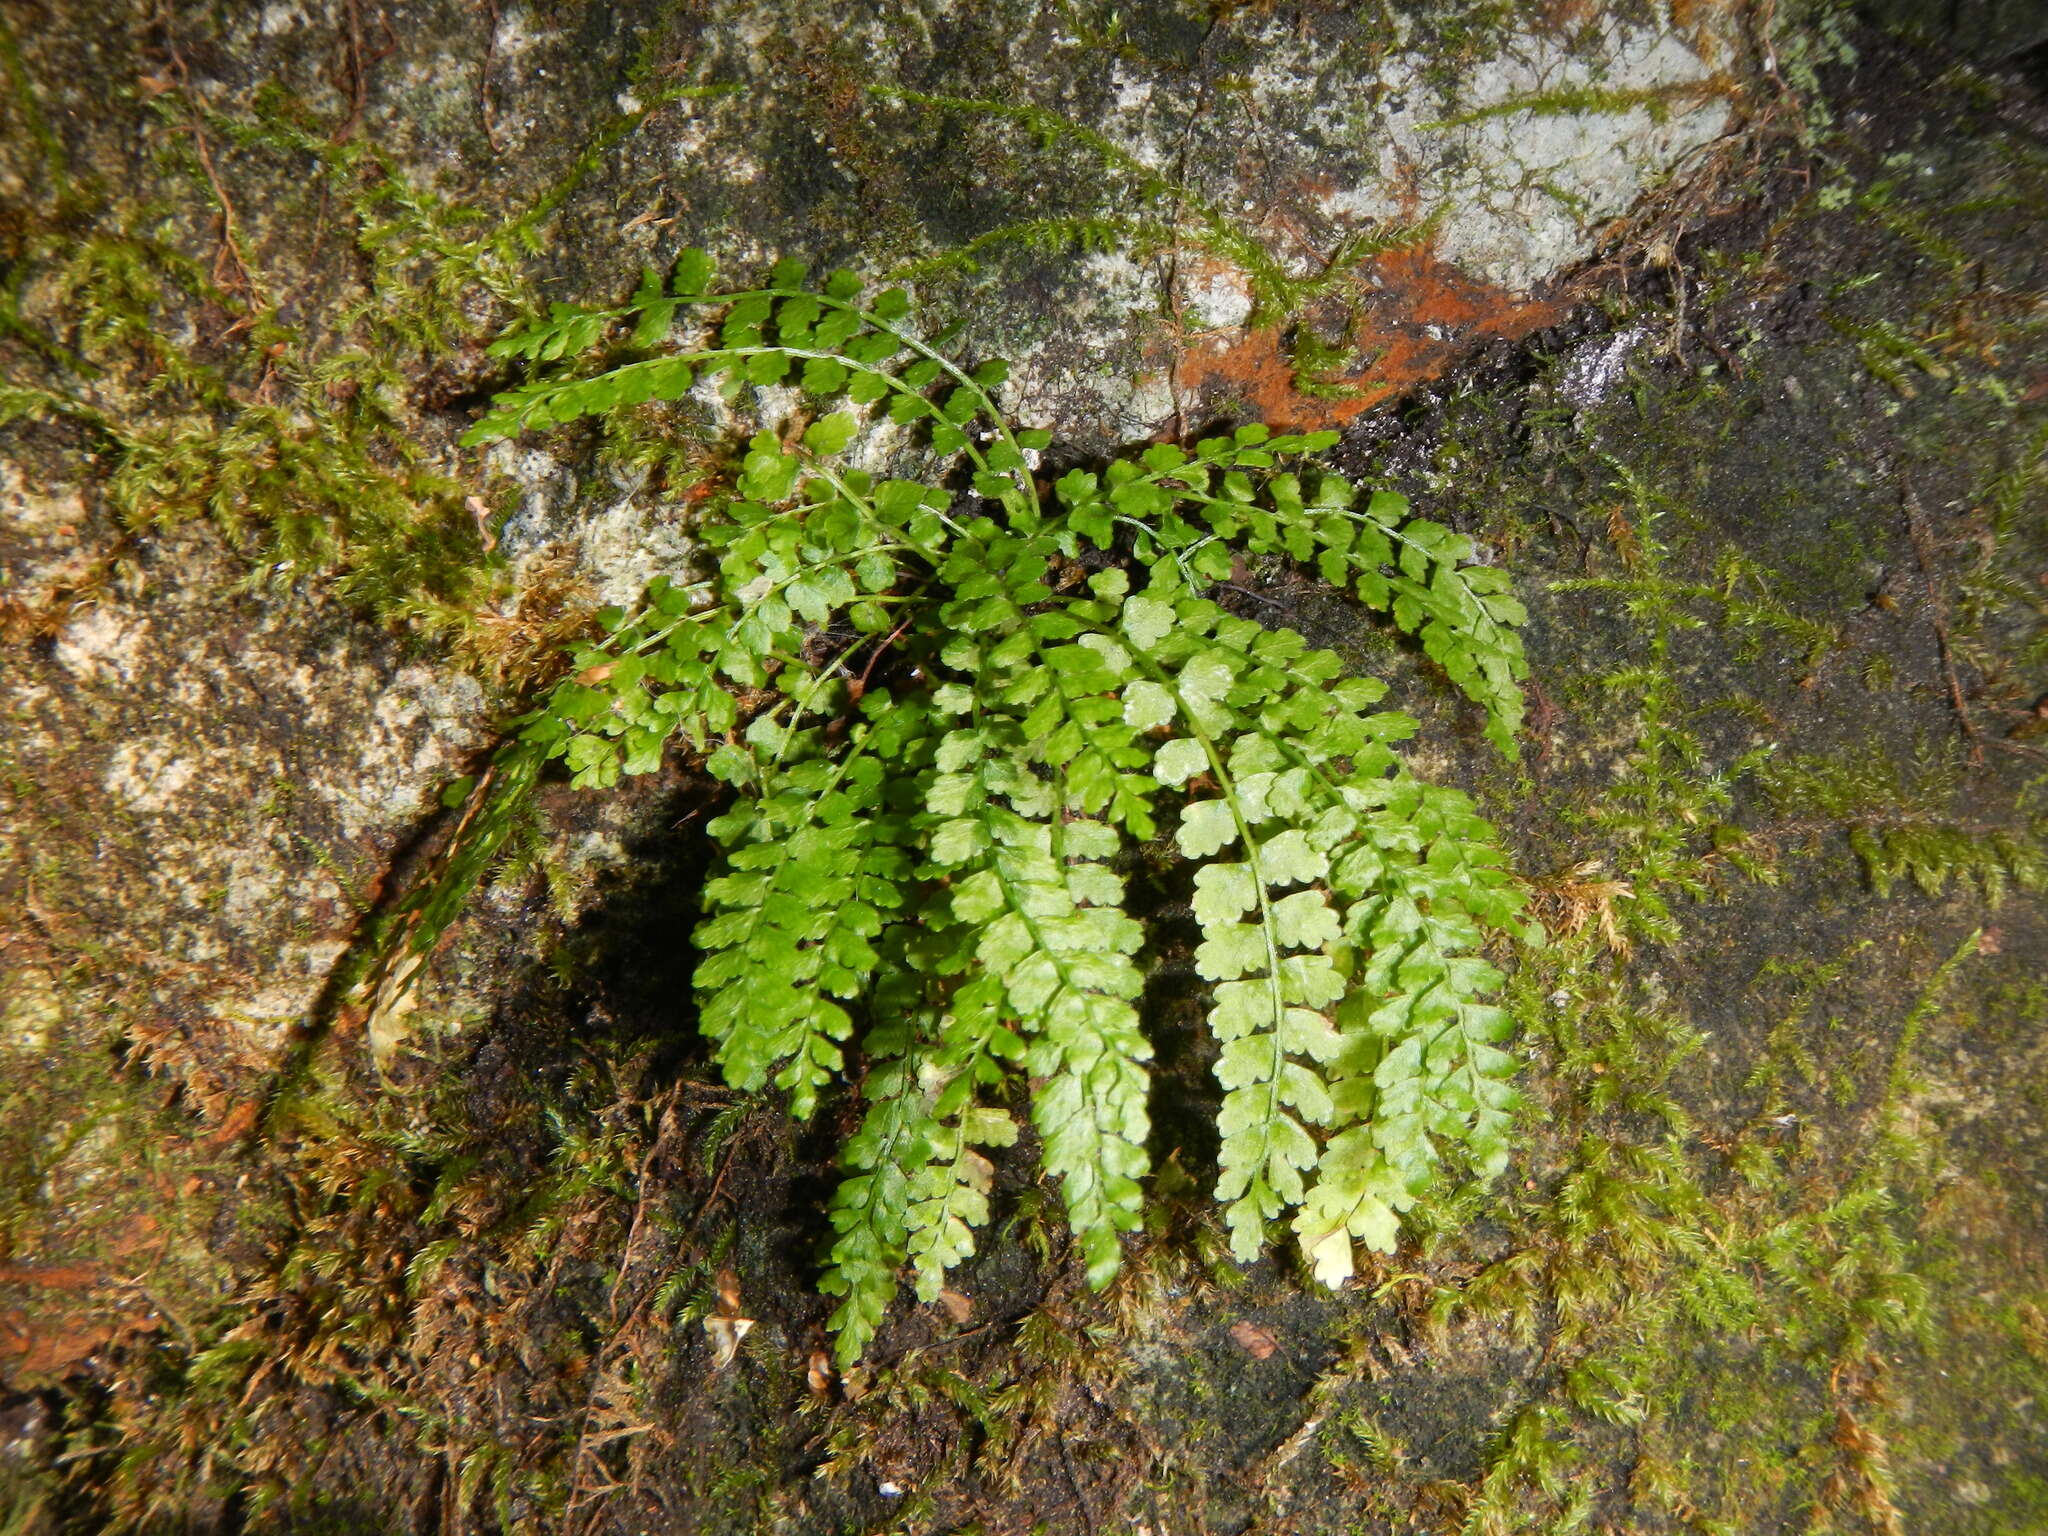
(998,418)
(808,354)
(838,483)
(802,706)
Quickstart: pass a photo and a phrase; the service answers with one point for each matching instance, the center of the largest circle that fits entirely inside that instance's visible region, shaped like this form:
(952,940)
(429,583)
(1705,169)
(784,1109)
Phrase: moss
(1749,1159)
(108,1200)
(1579,101)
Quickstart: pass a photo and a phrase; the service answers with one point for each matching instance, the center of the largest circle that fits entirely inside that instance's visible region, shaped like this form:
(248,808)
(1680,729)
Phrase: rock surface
(1756,427)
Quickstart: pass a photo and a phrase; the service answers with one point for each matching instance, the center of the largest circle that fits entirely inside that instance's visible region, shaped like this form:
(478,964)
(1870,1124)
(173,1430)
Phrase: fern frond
(1269,954)
(927,859)
(870,1209)
(917,1187)
(1416,570)
(949,1196)
(1422,1073)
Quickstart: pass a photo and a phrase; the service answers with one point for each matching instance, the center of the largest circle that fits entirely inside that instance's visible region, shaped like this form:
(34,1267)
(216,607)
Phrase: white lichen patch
(280,19)
(31,1010)
(1523,156)
(1128,126)
(546,488)
(625,546)
(150,776)
(1212,295)
(258,882)
(89,1159)
(30,513)
(408,742)
(516,32)
(1529,186)
(102,642)
(263,1020)
(1082,372)
(620,544)
(1592,369)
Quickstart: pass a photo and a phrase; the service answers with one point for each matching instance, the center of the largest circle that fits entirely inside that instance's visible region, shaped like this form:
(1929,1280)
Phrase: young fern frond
(944,715)
(898,1138)
(1422,1070)
(916,1185)
(1050,931)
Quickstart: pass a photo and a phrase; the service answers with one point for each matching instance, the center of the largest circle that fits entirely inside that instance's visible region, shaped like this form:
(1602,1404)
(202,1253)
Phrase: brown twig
(358,66)
(859,686)
(483,86)
(231,244)
(663,1127)
(717,1187)
(1937,615)
(352,56)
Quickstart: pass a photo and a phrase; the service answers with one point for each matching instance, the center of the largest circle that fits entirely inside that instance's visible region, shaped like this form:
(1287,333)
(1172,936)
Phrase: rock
(259,605)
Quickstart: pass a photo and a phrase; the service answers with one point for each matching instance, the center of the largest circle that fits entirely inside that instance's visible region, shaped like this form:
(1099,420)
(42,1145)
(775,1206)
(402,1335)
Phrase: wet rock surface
(1764,458)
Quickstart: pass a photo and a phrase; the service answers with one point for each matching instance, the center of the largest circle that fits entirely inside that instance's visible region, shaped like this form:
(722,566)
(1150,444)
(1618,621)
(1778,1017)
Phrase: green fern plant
(948,708)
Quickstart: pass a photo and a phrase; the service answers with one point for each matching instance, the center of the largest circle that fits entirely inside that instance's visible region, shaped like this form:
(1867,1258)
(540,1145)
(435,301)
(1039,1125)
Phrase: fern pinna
(948,707)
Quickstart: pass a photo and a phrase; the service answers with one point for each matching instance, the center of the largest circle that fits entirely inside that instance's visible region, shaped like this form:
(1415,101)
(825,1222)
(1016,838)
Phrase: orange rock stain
(1422,315)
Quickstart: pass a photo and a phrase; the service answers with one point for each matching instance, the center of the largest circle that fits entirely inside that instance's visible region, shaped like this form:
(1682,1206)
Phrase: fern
(948,707)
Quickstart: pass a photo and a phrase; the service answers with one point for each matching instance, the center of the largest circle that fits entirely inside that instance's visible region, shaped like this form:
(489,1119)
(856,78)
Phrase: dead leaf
(726,1333)
(389,1006)
(1254,1340)
(958,1307)
(482,514)
(725,1325)
(239,1122)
